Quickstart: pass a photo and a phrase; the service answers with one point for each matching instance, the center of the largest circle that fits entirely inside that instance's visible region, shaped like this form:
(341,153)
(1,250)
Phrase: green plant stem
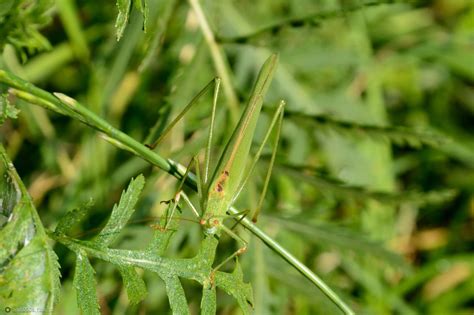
(69,107)
(218,58)
(294,262)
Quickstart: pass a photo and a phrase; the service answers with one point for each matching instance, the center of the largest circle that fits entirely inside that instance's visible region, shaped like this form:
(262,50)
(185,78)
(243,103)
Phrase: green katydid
(217,192)
(64,105)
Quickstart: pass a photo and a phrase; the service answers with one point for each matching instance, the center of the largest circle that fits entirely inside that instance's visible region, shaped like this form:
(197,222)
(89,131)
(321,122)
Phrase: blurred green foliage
(20,21)
(355,75)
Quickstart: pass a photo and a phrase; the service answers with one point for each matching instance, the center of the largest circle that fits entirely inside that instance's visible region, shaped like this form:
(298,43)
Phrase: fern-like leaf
(176,295)
(402,136)
(71,219)
(233,283)
(29,270)
(170,270)
(208,302)
(122,212)
(85,285)
(136,289)
(337,187)
(124,7)
(160,16)
(309,20)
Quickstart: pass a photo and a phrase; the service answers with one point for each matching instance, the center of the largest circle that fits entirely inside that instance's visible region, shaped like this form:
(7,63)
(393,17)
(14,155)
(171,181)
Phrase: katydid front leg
(173,203)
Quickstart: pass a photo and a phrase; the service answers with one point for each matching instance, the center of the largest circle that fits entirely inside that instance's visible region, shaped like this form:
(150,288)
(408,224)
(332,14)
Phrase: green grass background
(396,63)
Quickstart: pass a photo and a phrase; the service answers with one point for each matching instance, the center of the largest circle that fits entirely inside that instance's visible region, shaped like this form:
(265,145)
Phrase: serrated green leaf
(160,16)
(142,6)
(29,270)
(172,269)
(161,238)
(72,218)
(339,188)
(85,284)
(233,284)
(123,16)
(402,136)
(121,213)
(136,289)
(208,301)
(176,295)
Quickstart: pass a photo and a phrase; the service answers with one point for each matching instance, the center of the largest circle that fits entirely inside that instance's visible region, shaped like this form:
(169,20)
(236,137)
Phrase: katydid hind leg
(270,166)
(174,202)
(242,249)
(276,119)
(190,204)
